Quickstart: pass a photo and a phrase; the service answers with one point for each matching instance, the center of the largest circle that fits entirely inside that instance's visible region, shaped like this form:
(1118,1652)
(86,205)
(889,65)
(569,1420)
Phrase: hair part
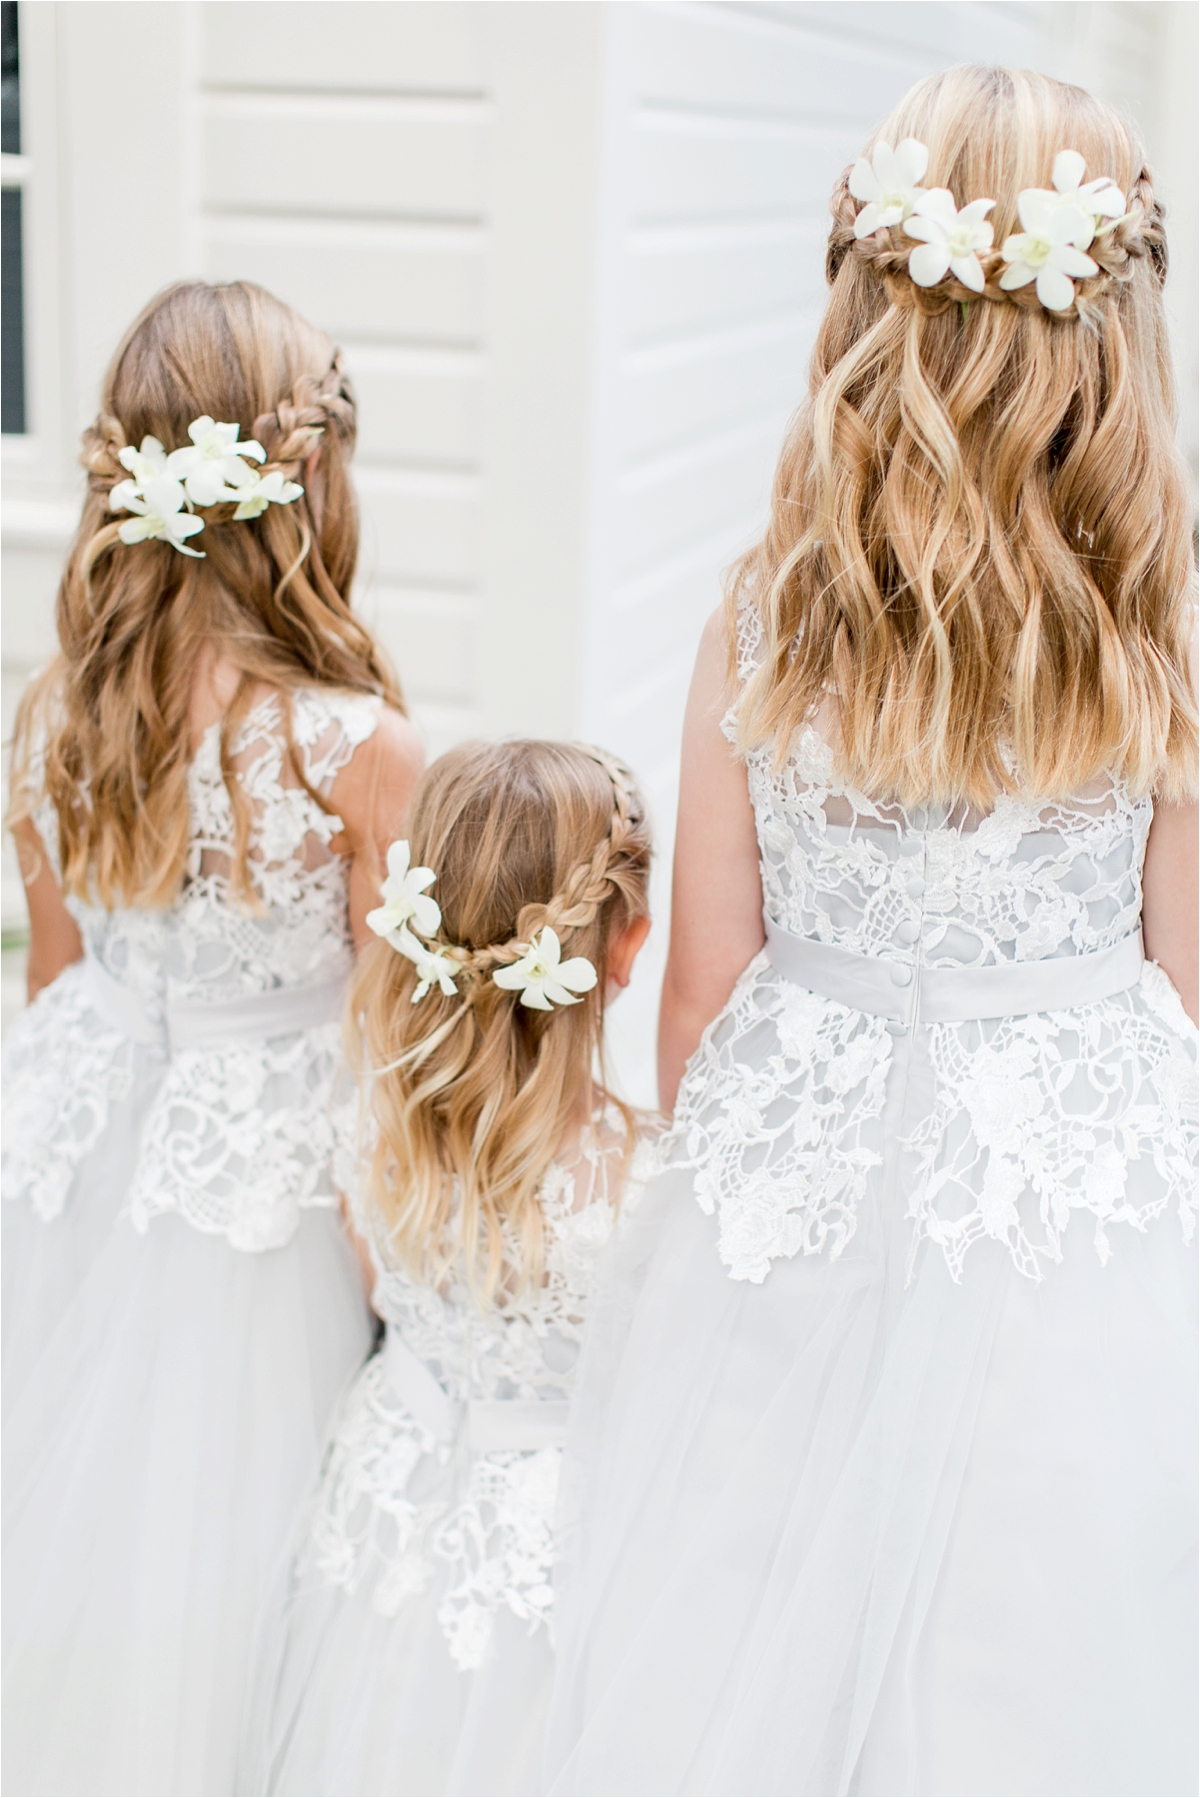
(980,519)
(473,1097)
(272,594)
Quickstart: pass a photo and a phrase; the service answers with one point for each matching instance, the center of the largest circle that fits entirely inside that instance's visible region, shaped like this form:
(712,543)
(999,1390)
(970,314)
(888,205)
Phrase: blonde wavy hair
(980,540)
(110,716)
(472,1097)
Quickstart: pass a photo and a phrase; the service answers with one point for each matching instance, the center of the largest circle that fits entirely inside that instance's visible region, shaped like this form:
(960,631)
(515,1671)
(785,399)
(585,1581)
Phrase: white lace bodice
(1032,1117)
(239,1136)
(395,1509)
(1027,881)
(210,945)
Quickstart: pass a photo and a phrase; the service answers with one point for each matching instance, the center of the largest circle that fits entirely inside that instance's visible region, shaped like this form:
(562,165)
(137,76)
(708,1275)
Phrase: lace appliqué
(237,1139)
(59,1102)
(1033,1118)
(395,1510)
(240,1140)
(1042,1116)
(782,1147)
(500,1548)
(363,1522)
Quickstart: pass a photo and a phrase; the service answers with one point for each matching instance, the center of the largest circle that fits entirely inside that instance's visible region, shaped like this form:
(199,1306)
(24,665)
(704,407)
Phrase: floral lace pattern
(237,1138)
(1058,1105)
(1033,1118)
(58,1120)
(394,1509)
(782,1149)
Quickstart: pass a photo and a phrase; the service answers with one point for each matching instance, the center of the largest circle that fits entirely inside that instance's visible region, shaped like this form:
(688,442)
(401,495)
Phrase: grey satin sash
(491,1424)
(212,1023)
(912,994)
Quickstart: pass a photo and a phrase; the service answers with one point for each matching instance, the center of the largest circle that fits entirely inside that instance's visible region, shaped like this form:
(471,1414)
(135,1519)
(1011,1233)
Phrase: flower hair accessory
(1060,224)
(405,899)
(213,470)
(434,967)
(542,978)
(535,969)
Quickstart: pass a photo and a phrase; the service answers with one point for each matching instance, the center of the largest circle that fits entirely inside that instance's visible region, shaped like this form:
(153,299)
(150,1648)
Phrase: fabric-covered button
(901,976)
(907,932)
(916,886)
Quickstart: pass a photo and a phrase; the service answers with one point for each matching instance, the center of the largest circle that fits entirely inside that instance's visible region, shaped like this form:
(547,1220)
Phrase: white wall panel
(686,386)
(349,154)
(363,45)
(417,404)
(705,276)
(359,277)
(421,524)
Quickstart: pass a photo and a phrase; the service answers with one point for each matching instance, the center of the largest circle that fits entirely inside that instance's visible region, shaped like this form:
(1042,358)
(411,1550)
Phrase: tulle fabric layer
(349,1701)
(156,1456)
(835,1534)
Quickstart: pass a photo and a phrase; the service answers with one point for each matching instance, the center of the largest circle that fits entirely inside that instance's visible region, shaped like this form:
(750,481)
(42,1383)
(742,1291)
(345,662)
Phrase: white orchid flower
(888,184)
(160,513)
(1101,202)
(1047,251)
(542,978)
(266,490)
(405,898)
(950,239)
(434,967)
(149,463)
(211,466)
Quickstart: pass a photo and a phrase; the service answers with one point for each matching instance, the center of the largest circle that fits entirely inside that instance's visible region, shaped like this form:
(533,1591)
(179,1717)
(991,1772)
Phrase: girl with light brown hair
(886,1464)
(413,1652)
(204,781)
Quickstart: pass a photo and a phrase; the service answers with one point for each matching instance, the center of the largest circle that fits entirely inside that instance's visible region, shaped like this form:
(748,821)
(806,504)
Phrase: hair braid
(588,886)
(885,254)
(292,431)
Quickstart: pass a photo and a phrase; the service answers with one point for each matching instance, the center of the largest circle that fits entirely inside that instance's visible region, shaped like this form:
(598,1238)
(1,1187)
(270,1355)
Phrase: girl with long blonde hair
(204,780)
(885,1461)
(413,1649)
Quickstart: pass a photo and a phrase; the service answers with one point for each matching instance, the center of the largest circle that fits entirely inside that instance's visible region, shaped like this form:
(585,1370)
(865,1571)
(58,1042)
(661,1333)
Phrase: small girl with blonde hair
(413,1653)
(204,783)
(886,1465)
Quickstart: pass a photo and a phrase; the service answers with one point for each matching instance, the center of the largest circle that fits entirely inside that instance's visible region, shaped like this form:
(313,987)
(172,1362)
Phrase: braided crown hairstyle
(1139,234)
(272,594)
(980,521)
(473,1096)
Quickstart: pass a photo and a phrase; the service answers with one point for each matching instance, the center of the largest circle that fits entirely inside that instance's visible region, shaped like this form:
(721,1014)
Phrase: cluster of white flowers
(212,470)
(1060,223)
(541,976)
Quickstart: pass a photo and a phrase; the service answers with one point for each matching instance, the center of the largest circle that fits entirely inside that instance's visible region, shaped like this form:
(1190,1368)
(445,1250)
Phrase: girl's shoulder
(349,745)
(325,724)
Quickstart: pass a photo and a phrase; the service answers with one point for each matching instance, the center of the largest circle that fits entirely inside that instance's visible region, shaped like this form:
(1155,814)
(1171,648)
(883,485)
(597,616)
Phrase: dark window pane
(10,111)
(12,317)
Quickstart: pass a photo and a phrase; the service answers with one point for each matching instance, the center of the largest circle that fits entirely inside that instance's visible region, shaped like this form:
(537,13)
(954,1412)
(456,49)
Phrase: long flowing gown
(182,1308)
(410,1650)
(881,1473)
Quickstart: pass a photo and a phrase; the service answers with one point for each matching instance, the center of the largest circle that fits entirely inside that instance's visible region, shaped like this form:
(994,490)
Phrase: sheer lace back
(1029,879)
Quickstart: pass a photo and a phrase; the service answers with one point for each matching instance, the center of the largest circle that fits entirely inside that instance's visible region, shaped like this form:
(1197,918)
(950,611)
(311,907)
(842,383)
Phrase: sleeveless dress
(411,1647)
(881,1474)
(182,1308)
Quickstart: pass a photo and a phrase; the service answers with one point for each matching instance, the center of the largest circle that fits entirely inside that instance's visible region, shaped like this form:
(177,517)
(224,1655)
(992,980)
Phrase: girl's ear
(623,950)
